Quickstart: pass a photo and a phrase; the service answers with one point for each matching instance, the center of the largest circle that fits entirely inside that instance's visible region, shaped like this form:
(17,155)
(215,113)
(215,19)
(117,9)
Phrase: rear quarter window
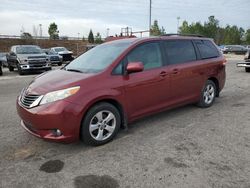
(207,49)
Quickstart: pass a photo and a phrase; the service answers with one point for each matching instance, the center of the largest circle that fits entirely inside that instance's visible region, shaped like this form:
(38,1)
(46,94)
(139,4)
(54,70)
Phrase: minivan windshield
(98,58)
(28,50)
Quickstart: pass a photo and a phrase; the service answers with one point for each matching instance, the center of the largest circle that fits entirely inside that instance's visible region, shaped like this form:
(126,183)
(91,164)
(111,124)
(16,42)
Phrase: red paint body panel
(139,94)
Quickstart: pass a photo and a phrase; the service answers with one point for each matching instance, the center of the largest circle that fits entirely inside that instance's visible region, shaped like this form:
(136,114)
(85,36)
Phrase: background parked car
(247,46)
(237,49)
(245,64)
(26,58)
(247,56)
(53,57)
(3,62)
(62,51)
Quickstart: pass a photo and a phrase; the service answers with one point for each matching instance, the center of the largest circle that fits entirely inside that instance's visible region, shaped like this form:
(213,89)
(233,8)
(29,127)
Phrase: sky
(76,17)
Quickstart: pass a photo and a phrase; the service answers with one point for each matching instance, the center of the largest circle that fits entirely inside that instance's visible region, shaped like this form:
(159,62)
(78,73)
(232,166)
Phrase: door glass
(180,51)
(149,54)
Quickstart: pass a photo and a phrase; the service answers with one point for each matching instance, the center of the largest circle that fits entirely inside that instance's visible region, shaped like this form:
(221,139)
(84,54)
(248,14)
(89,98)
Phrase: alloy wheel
(209,94)
(102,125)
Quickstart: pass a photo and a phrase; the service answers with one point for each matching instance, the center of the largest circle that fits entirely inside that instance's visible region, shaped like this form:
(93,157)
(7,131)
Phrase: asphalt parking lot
(184,147)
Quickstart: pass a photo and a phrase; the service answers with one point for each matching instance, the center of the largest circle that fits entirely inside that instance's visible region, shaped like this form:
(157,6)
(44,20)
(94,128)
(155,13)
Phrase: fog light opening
(57,132)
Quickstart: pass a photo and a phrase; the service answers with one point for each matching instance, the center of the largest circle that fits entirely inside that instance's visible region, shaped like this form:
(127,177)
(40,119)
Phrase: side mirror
(134,67)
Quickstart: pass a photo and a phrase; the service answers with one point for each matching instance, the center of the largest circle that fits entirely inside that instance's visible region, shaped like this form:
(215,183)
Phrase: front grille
(67,57)
(37,57)
(34,62)
(54,58)
(27,100)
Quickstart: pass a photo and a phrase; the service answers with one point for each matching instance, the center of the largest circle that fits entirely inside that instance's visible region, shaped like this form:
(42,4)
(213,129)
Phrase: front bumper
(35,67)
(42,121)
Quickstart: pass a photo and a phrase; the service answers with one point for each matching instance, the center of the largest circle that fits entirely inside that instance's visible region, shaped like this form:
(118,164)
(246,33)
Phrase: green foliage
(211,29)
(98,38)
(248,36)
(26,36)
(83,38)
(53,31)
(155,29)
(91,37)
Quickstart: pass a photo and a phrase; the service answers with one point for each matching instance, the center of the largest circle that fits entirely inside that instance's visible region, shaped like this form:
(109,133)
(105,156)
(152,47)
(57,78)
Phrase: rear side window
(207,49)
(180,51)
(149,54)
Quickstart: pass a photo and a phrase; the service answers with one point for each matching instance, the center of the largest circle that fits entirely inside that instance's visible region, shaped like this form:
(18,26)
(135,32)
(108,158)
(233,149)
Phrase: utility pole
(107,32)
(178,20)
(40,30)
(150,15)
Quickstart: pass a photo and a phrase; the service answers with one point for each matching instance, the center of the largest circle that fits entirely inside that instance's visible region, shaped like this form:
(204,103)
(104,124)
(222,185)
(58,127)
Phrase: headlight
(23,61)
(59,95)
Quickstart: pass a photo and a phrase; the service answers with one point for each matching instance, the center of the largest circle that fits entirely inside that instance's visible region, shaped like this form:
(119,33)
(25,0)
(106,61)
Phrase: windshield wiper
(73,70)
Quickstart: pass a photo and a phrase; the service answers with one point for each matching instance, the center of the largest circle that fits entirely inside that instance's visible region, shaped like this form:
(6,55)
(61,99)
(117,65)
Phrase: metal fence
(39,37)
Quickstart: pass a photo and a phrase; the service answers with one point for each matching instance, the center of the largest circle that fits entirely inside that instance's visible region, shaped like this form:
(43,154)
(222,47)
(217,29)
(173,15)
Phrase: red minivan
(118,82)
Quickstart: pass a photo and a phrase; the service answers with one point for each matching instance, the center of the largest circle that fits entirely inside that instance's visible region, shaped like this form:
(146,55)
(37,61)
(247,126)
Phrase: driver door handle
(163,74)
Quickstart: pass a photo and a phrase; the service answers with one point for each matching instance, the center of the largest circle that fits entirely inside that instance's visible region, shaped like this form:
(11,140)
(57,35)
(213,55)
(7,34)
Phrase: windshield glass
(28,50)
(60,49)
(98,58)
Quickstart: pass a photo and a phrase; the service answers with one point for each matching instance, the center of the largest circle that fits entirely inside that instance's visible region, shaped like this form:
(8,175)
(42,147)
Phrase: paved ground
(185,147)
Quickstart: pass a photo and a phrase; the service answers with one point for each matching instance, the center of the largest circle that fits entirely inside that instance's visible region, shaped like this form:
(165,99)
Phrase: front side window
(180,51)
(149,54)
(207,49)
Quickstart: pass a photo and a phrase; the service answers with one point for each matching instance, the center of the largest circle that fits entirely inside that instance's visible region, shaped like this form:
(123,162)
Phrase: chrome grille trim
(27,100)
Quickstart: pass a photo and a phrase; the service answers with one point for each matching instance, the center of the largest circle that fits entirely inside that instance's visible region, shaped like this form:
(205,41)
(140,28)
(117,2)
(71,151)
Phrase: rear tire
(100,124)
(208,94)
(59,64)
(247,69)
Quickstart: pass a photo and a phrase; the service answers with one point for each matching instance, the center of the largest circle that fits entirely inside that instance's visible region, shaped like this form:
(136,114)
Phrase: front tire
(20,71)
(11,69)
(1,71)
(208,94)
(247,69)
(100,124)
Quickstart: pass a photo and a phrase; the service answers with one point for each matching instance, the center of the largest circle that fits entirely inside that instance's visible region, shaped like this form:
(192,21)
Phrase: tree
(26,36)
(211,29)
(91,37)
(83,38)
(98,38)
(248,36)
(53,31)
(155,29)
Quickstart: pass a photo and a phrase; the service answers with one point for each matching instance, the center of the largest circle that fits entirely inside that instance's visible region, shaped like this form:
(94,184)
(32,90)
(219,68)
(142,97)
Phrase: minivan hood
(55,80)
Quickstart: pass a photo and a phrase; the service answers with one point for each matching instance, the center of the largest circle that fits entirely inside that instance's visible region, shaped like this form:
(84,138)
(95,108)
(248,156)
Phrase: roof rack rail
(186,35)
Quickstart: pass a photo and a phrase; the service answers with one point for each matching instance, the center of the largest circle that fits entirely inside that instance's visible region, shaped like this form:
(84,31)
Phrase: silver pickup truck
(27,58)
(245,64)
(3,62)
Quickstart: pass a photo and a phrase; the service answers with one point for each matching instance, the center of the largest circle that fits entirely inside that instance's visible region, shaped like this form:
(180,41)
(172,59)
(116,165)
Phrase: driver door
(146,91)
